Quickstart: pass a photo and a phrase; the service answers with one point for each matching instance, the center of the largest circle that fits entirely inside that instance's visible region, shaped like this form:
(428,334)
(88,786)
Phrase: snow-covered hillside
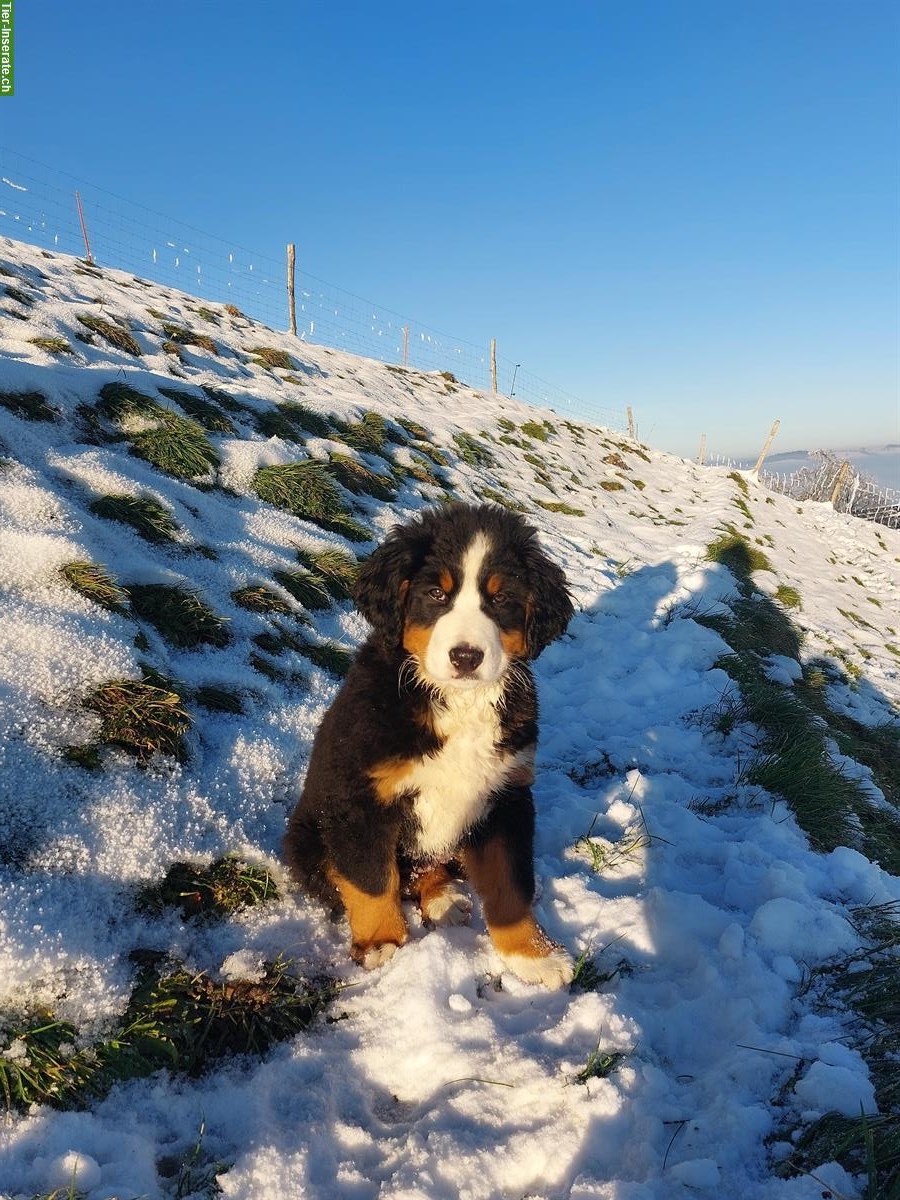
(695,1048)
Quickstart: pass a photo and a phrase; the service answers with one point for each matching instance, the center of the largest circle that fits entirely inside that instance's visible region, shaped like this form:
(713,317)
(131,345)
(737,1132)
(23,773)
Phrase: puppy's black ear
(550,605)
(381,585)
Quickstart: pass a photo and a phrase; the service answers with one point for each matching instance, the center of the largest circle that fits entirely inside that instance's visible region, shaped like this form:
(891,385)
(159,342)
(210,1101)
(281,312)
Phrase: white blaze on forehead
(465,624)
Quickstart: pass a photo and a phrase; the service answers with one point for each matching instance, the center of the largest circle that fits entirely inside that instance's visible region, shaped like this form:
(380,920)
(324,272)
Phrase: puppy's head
(466,590)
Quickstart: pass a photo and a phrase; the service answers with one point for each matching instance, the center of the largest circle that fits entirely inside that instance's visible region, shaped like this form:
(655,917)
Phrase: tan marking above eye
(494,585)
(446,581)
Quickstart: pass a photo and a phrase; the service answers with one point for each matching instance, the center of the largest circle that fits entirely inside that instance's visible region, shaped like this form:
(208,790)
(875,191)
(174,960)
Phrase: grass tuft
(268,356)
(119,402)
(30,405)
(176,446)
(115,335)
(261,600)
(145,515)
(307,490)
(179,335)
(53,345)
(471,451)
(357,478)
(735,552)
(208,414)
(788,596)
(180,616)
(337,569)
(94,582)
(306,587)
(140,718)
(224,887)
(600,1064)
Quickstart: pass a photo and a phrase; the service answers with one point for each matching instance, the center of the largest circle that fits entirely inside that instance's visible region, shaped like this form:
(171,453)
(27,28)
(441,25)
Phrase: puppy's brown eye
(439,595)
(499,600)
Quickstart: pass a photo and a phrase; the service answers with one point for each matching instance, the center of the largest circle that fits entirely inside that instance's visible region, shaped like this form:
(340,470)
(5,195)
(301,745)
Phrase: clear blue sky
(691,207)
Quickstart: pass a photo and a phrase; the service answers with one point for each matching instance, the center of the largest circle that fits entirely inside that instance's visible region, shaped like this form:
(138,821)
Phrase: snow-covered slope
(447,1077)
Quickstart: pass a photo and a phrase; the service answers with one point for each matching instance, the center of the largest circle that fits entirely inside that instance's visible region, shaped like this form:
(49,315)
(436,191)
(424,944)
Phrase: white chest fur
(453,785)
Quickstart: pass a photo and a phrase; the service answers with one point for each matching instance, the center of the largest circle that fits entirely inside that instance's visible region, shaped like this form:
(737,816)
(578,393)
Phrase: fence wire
(37,205)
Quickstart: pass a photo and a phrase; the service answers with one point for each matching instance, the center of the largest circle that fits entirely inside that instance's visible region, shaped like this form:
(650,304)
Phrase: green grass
(534,430)
(472,451)
(180,335)
(495,497)
(19,296)
(94,582)
(53,345)
(226,886)
(205,412)
(306,418)
(120,402)
(177,446)
(180,615)
(268,356)
(335,568)
(357,478)
(600,1064)
(308,490)
(414,429)
(32,406)
(612,485)
(787,595)
(329,656)
(114,335)
(368,434)
(734,551)
(145,515)
(140,718)
(176,1019)
(260,599)
(306,587)
(218,699)
(737,478)
(559,506)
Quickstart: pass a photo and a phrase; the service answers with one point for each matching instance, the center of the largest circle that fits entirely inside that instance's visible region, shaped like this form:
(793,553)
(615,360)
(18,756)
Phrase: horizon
(691,211)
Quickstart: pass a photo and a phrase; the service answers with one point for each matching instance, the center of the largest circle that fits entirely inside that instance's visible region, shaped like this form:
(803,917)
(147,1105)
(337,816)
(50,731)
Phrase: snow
(448,1077)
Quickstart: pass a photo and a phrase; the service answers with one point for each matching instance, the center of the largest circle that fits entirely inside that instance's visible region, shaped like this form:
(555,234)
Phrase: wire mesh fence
(38,205)
(837,482)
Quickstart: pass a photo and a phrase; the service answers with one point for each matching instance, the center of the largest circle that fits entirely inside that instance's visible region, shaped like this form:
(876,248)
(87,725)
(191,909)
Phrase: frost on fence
(836,481)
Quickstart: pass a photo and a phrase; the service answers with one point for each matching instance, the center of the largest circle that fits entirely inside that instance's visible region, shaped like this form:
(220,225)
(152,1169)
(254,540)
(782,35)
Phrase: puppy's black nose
(466,659)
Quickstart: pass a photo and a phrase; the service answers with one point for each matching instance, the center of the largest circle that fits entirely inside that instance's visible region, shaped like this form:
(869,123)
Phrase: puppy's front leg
(501,871)
(377,923)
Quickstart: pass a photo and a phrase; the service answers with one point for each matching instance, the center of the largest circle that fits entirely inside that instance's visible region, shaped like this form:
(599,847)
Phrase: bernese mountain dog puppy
(421,770)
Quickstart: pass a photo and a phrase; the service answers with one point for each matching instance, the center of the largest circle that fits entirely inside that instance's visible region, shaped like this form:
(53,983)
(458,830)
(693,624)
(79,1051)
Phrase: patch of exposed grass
(274,423)
(30,405)
(94,582)
(734,551)
(612,485)
(260,599)
(145,515)
(357,478)
(472,451)
(306,587)
(120,402)
(534,429)
(787,595)
(233,310)
(19,296)
(205,412)
(737,478)
(140,718)
(368,434)
(559,506)
(226,886)
(307,490)
(337,569)
(589,976)
(218,699)
(268,356)
(329,656)
(115,335)
(53,345)
(179,615)
(177,446)
(217,396)
(495,497)
(600,1064)
(180,335)
(414,429)
(175,1019)
(306,418)
(855,619)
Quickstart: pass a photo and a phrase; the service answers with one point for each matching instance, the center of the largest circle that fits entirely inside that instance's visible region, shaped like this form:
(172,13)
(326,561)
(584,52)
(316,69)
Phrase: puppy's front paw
(450,906)
(553,970)
(369,957)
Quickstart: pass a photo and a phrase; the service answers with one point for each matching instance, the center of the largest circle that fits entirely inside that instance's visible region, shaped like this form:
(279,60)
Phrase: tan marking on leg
(442,899)
(388,778)
(507,912)
(374,920)
(514,642)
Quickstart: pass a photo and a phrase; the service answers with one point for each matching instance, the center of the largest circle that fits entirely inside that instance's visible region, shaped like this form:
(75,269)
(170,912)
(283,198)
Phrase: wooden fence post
(702,454)
(292,303)
(839,483)
(87,245)
(630,423)
(765,450)
(405,344)
(493,364)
